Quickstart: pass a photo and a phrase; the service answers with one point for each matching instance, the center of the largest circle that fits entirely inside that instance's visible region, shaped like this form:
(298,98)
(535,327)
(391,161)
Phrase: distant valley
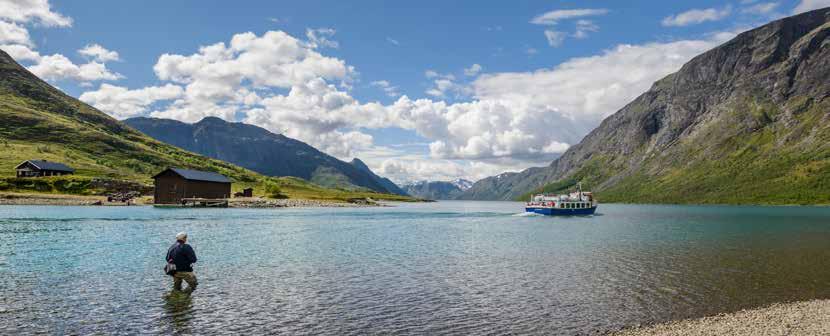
(437,190)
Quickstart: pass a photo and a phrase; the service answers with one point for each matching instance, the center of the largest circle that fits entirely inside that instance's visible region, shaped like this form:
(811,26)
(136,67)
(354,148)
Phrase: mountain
(462,184)
(385,182)
(437,190)
(747,122)
(38,121)
(264,152)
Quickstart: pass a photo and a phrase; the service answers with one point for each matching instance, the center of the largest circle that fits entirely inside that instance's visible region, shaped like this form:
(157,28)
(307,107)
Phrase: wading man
(183,256)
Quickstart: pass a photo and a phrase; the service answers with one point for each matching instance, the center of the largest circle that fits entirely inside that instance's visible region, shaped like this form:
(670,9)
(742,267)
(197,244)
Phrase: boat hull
(561,212)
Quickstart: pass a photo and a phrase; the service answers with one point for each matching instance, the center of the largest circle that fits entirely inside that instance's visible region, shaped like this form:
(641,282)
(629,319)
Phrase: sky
(419,90)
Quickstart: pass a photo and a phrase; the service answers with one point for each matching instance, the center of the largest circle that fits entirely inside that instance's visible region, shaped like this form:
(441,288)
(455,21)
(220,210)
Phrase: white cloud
(531,51)
(15,40)
(20,52)
(99,53)
(473,70)
(13,33)
(319,38)
(583,27)
(696,16)
(122,103)
(388,88)
(246,79)
(274,20)
(761,8)
(555,38)
(553,17)
(58,67)
(393,41)
(808,5)
(32,11)
(444,85)
(530,114)
(287,86)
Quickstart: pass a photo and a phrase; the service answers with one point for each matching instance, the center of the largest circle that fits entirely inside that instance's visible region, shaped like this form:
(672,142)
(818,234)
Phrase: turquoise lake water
(438,268)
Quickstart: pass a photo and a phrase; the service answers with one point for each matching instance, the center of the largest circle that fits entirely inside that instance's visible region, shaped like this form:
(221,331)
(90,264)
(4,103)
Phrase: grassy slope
(40,122)
(770,163)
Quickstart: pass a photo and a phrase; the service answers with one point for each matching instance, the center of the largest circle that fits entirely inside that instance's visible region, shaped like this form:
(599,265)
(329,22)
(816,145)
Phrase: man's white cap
(181,235)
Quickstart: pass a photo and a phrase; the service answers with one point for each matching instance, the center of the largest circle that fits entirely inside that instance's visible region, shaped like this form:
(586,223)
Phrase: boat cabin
(38,168)
(176,185)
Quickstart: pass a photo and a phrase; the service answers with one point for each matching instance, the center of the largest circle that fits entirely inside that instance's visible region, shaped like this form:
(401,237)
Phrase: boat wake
(527,214)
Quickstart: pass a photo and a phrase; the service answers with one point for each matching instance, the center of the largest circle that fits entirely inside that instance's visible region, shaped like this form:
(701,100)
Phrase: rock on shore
(298,203)
(799,318)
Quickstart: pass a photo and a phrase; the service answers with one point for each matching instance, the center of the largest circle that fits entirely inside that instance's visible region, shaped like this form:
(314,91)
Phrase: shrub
(72,186)
(273,190)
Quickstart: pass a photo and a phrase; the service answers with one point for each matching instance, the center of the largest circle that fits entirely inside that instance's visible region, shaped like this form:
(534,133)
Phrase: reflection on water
(439,268)
(178,308)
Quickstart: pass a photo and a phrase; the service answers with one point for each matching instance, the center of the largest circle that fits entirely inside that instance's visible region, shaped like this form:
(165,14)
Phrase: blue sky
(419,90)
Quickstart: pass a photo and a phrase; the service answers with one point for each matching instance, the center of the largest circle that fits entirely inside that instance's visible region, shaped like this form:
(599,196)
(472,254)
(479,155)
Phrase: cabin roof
(47,165)
(197,175)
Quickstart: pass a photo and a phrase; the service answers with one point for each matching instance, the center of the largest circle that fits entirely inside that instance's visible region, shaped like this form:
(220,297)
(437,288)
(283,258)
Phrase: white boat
(575,203)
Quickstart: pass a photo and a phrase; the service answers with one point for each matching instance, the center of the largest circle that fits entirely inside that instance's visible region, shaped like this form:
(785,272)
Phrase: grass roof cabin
(38,168)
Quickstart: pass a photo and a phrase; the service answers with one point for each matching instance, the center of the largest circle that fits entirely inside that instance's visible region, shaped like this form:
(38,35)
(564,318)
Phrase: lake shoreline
(794,318)
(254,202)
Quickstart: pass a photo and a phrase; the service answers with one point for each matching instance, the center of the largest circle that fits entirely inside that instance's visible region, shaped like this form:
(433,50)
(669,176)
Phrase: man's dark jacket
(182,255)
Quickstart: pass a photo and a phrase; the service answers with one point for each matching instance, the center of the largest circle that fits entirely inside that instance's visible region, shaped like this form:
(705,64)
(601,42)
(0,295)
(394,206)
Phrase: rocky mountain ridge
(746,122)
(437,190)
(264,152)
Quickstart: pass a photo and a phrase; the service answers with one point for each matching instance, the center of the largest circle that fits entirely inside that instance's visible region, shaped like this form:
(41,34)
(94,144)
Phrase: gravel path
(799,318)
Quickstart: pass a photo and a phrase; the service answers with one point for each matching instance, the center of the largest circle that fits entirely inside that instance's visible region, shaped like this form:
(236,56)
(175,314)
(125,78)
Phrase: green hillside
(747,122)
(37,121)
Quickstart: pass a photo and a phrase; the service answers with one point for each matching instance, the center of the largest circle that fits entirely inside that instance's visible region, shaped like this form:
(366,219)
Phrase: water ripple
(439,269)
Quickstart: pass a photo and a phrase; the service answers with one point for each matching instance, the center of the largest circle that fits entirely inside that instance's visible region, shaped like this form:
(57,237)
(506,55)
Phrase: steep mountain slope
(259,150)
(39,121)
(385,182)
(437,190)
(746,122)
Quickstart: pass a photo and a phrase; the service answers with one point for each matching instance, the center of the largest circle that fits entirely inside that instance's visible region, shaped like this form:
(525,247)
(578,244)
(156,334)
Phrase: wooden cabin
(247,192)
(174,185)
(38,168)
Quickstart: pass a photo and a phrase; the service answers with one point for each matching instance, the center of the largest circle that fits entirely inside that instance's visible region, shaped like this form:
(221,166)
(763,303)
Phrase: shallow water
(438,268)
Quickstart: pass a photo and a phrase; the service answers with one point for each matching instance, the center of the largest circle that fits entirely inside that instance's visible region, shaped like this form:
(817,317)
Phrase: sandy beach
(798,318)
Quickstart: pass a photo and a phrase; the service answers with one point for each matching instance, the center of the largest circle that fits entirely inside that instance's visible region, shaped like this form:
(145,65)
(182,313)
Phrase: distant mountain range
(437,190)
(264,152)
(746,122)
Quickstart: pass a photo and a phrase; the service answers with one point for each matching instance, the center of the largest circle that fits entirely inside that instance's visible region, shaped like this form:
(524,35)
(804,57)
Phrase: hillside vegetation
(41,122)
(264,152)
(745,123)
